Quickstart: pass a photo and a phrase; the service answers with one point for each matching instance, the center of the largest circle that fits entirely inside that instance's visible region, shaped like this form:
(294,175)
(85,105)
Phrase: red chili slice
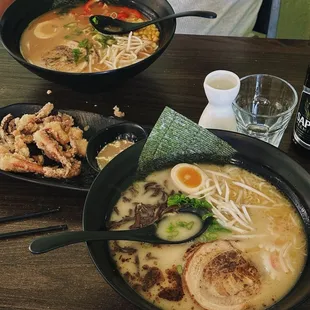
(122,15)
(87,6)
(130,11)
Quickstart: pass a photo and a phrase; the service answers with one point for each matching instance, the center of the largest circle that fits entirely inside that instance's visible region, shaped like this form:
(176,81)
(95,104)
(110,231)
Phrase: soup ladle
(146,234)
(109,25)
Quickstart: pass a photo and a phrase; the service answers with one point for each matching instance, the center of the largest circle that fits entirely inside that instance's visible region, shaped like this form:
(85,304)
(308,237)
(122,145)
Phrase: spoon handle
(107,25)
(205,14)
(49,243)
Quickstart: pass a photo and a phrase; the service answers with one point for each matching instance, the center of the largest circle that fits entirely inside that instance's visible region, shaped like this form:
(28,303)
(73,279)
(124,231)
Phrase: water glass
(264,107)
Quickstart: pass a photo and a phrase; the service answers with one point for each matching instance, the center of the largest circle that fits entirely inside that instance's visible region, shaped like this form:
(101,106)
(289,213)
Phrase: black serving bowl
(129,131)
(17,17)
(254,155)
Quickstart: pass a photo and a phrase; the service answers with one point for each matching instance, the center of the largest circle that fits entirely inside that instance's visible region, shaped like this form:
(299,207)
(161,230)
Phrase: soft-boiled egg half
(47,29)
(188,178)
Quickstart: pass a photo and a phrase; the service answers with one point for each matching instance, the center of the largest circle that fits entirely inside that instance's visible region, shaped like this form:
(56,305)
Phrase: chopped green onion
(111,41)
(87,45)
(105,40)
(70,25)
(187,225)
(77,31)
(146,245)
(190,225)
(179,269)
(173,228)
(207,215)
(173,235)
(84,43)
(76,55)
(95,20)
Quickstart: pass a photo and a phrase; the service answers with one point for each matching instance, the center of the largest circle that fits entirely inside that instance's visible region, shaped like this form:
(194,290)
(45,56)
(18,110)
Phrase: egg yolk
(189,177)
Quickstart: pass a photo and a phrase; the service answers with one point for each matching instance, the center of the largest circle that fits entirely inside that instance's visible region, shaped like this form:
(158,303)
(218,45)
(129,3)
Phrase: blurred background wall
(285,19)
(294,21)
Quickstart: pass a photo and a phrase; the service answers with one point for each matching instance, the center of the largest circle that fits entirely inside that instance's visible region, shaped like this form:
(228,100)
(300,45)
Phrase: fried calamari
(54,135)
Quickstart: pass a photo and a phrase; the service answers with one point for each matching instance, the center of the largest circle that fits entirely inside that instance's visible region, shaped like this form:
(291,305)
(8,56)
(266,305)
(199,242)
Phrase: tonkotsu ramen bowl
(253,155)
(18,16)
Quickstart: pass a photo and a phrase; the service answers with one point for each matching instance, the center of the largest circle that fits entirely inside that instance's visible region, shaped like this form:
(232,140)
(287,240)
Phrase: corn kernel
(150,33)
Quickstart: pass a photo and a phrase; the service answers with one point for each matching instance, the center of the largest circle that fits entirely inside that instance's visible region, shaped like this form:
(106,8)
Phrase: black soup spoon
(108,25)
(146,234)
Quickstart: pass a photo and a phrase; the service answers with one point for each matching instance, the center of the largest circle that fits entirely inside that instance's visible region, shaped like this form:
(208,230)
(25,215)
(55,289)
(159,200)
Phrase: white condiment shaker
(221,88)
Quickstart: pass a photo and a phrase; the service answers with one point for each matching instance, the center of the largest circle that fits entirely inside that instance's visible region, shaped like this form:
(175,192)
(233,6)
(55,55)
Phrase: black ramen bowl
(18,16)
(254,155)
(129,131)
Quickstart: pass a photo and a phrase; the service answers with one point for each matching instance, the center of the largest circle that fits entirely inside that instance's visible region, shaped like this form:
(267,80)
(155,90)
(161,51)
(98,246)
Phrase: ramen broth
(179,227)
(68,42)
(270,242)
(111,150)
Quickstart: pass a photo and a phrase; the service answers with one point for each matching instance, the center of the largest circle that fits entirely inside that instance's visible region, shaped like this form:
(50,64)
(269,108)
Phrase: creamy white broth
(275,225)
(178,227)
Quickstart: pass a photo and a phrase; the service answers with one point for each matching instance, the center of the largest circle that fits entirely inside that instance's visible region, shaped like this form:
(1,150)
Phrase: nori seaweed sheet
(175,139)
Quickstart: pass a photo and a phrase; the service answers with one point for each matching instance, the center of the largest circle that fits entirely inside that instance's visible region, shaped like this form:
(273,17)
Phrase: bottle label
(302,124)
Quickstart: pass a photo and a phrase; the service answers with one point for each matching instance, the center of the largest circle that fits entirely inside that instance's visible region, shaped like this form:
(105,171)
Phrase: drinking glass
(264,107)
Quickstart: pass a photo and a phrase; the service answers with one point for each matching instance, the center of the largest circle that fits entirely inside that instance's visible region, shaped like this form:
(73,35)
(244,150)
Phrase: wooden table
(66,279)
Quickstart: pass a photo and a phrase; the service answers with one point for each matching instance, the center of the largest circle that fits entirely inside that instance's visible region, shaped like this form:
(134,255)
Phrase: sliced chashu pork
(218,277)
(62,58)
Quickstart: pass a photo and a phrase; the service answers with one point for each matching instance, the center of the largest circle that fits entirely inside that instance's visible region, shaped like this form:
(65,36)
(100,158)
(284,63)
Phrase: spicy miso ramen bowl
(275,167)
(18,16)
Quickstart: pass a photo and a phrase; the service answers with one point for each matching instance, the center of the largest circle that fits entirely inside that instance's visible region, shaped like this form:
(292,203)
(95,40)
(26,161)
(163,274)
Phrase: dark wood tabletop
(67,278)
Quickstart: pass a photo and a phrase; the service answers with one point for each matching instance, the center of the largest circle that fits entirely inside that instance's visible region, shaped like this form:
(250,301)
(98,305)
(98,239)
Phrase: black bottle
(301,134)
